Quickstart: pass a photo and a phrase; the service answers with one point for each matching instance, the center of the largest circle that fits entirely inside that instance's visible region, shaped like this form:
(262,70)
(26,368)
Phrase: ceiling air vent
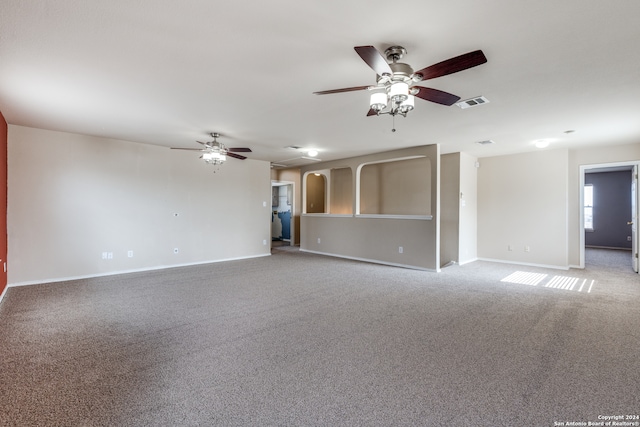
(472,102)
(486,142)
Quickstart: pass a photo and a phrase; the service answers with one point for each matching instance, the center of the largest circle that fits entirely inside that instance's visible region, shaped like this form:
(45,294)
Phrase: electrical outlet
(527,249)
(264,242)
(400,249)
(318,240)
(628,238)
(510,248)
(130,254)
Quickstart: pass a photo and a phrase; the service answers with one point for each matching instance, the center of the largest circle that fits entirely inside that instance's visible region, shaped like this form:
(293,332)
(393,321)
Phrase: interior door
(634,217)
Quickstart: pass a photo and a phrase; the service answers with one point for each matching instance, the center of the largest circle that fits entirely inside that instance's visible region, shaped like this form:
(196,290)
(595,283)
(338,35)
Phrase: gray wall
(378,237)
(611,210)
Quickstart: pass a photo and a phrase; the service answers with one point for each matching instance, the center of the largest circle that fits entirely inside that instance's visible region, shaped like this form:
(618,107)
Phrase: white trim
(326,173)
(372,261)
(328,215)
(3,292)
(377,216)
(583,170)
(384,216)
(528,264)
(468,262)
(292,228)
(140,270)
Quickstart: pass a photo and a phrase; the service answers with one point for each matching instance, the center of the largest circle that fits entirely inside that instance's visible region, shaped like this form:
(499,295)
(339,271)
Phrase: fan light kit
(394,92)
(215,153)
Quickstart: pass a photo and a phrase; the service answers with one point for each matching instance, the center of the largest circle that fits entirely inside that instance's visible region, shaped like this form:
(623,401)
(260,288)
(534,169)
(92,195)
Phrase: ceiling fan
(395,89)
(215,153)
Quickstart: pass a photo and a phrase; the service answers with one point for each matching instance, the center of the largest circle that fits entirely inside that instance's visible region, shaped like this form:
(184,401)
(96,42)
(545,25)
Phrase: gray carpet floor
(298,339)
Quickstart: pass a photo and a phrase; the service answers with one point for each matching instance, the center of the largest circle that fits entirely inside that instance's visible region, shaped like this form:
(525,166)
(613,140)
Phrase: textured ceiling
(168,72)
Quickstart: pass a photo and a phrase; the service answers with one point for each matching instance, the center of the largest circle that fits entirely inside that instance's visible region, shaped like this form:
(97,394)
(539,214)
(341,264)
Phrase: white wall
(468,229)
(522,202)
(449,208)
(458,208)
(74,197)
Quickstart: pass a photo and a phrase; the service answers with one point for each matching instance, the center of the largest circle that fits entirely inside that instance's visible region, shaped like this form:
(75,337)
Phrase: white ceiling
(167,72)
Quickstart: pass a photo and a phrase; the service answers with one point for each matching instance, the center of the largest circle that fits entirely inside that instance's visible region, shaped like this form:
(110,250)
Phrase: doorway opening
(608,215)
(282,214)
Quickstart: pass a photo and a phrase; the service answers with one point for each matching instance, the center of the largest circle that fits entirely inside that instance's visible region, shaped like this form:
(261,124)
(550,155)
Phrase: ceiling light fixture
(312,153)
(215,153)
(395,90)
(542,143)
(393,94)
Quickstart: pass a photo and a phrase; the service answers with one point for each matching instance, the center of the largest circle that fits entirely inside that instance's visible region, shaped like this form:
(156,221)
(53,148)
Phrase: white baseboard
(138,270)
(528,264)
(3,292)
(373,261)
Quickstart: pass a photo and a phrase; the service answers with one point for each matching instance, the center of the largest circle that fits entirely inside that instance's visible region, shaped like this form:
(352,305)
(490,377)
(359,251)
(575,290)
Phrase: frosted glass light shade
(407,104)
(378,101)
(399,91)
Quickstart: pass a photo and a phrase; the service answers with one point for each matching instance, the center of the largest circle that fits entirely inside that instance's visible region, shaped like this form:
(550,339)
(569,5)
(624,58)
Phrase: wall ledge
(383,216)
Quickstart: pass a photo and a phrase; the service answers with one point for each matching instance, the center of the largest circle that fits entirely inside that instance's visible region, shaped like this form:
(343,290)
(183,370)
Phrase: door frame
(584,169)
(278,183)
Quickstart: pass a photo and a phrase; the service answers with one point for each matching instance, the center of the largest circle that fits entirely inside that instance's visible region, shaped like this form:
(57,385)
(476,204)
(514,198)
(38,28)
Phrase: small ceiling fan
(395,89)
(215,153)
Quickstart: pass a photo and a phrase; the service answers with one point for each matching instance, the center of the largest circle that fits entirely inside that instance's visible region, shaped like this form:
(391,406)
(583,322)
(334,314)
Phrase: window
(588,207)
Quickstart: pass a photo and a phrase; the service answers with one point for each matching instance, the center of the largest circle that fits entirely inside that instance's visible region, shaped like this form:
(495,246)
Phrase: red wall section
(3,201)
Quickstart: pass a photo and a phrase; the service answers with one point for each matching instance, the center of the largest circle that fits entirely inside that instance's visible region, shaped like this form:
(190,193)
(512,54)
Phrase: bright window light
(524,278)
(556,282)
(588,207)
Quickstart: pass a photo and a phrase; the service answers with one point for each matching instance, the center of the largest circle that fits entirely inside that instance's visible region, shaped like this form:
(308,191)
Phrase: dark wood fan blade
(435,95)
(372,112)
(374,59)
(453,65)
(240,150)
(200,142)
(189,149)
(346,89)
(236,156)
